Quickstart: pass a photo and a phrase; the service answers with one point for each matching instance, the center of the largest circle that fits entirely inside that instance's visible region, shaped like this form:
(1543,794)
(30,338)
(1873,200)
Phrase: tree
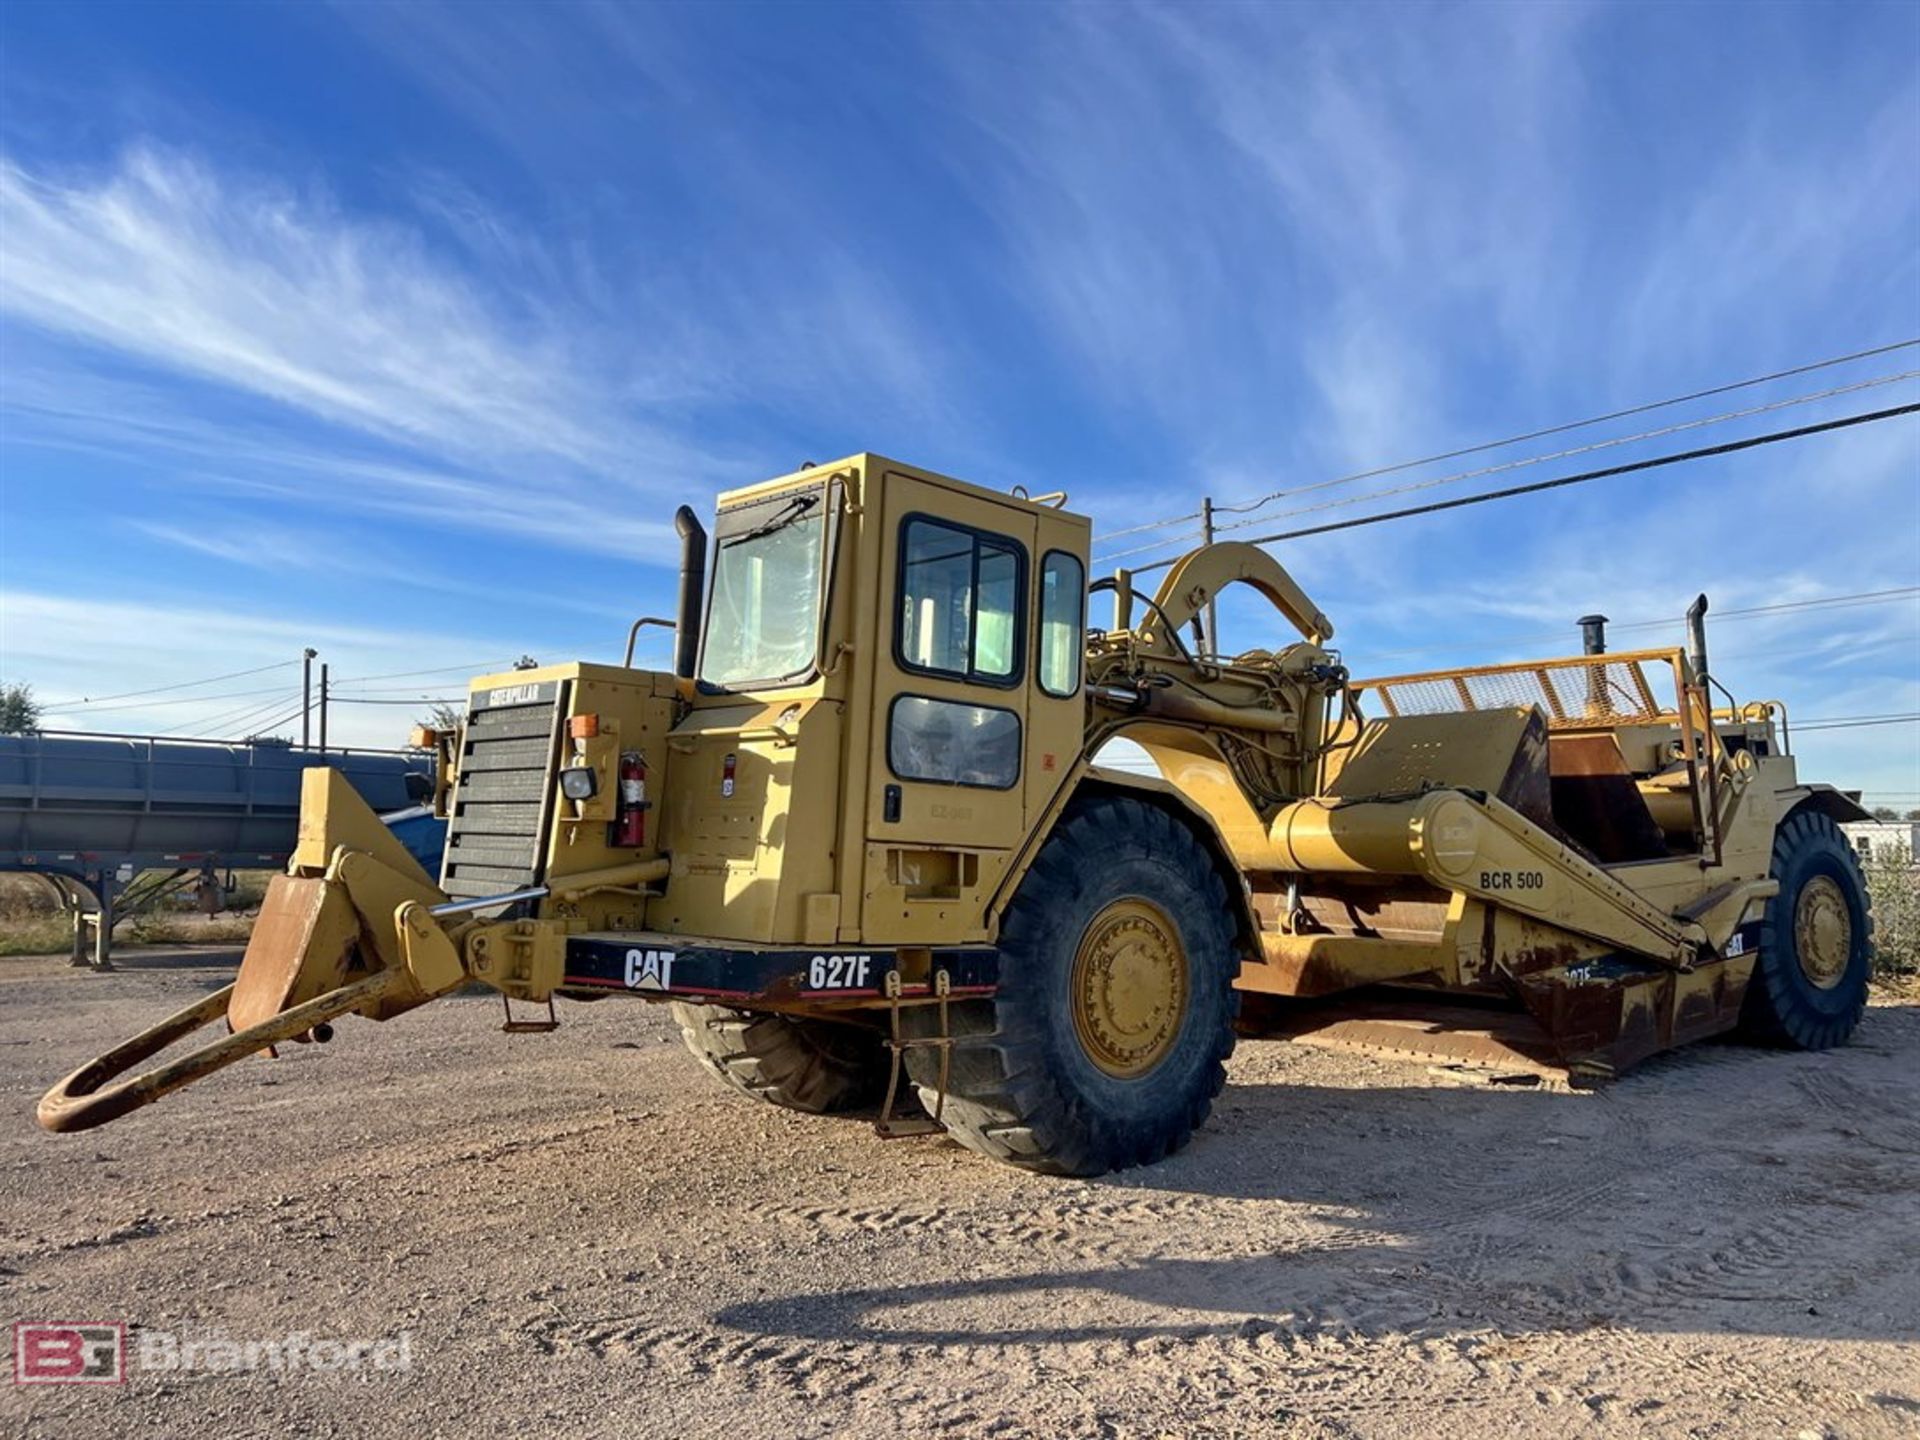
(1894,883)
(1885,812)
(1914,815)
(19,711)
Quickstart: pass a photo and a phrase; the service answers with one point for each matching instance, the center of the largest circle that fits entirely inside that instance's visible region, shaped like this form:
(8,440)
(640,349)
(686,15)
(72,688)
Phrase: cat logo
(649,969)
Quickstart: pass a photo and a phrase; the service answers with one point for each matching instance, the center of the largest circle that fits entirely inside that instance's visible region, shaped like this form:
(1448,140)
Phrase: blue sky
(399,330)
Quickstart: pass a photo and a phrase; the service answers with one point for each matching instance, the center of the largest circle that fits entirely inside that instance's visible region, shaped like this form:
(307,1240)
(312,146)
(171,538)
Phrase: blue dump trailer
(126,819)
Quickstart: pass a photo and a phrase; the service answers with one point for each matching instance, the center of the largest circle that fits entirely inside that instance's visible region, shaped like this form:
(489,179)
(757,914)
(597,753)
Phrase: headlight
(579,782)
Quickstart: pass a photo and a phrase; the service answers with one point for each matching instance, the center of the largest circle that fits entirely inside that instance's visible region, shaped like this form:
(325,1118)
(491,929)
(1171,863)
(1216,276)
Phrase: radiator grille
(497,834)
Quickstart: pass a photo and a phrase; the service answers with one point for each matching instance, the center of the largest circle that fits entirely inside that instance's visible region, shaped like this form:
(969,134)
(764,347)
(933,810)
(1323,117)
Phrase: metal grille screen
(1584,690)
(495,836)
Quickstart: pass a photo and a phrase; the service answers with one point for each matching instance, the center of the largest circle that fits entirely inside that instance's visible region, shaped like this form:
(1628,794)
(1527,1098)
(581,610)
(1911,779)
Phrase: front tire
(1106,1041)
(815,1066)
(1809,986)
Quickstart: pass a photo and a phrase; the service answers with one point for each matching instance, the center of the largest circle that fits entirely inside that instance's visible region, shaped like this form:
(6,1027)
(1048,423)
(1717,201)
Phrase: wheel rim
(1822,932)
(1130,986)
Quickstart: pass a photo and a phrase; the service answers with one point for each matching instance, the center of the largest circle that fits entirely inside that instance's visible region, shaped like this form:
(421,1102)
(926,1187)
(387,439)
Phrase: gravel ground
(581,1235)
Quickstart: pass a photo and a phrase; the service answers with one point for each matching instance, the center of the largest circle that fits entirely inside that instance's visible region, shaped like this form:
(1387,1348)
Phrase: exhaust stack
(1593,641)
(1593,634)
(1697,639)
(693,589)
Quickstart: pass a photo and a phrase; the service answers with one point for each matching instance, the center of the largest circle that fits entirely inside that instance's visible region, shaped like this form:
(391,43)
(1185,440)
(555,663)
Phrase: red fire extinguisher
(630,824)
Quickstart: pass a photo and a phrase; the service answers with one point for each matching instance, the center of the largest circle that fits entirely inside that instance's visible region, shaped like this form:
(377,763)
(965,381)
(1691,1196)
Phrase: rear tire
(1809,986)
(815,1066)
(1108,1036)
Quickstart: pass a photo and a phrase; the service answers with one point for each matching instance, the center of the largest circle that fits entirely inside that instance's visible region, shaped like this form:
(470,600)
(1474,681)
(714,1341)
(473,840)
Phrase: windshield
(763,622)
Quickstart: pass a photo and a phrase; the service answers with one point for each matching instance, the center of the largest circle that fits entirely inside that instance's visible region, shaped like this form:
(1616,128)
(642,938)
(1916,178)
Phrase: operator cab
(890,666)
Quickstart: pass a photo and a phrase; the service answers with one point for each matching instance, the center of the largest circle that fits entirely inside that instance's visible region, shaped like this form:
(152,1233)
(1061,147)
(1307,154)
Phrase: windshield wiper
(794,510)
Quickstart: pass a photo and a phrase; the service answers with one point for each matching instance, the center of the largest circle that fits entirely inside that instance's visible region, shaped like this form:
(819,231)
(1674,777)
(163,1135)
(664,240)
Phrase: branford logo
(69,1353)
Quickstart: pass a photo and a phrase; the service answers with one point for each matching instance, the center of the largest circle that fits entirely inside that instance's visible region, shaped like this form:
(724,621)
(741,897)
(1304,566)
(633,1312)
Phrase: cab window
(764,607)
(962,610)
(950,742)
(1063,609)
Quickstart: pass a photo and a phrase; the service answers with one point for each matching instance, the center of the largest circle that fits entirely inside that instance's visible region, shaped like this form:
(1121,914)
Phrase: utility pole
(306,696)
(1206,538)
(323,708)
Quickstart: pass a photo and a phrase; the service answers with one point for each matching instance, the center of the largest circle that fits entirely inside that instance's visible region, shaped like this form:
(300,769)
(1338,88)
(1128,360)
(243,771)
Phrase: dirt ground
(579,1234)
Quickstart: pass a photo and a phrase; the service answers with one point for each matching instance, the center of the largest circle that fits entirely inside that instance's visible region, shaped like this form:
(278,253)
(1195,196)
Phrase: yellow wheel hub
(1822,932)
(1129,988)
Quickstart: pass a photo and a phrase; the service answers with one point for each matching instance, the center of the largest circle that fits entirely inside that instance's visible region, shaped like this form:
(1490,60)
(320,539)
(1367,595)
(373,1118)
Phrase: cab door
(946,772)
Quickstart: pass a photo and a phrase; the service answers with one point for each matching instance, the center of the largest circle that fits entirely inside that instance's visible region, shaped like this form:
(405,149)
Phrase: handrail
(633,634)
(1509,667)
(206,740)
(1612,689)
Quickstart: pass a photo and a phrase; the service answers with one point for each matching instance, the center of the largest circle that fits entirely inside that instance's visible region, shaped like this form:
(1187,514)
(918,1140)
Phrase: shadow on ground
(1422,1211)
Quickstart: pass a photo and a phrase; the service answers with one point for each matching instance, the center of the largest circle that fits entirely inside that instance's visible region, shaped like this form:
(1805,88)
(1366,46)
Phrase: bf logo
(69,1354)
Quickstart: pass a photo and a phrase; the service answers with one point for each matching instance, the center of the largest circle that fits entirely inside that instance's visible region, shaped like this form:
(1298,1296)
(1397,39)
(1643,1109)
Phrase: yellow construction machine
(862,841)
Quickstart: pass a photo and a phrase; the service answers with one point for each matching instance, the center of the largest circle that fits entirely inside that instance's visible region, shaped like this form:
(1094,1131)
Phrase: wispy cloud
(259,547)
(68,646)
(55,403)
(1265,234)
(276,549)
(749,260)
(509,383)
(1776,217)
(280,293)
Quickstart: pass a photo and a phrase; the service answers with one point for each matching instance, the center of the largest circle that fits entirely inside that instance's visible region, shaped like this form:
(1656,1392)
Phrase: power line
(243,714)
(1613,442)
(1154,524)
(480,667)
(178,700)
(364,691)
(1583,424)
(163,689)
(1654,463)
(1800,727)
(200,726)
(378,689)
(1818,602)
(333,699)
(1374,474)
(1719,617)
(1181,539)
(246,729)
(1607,444)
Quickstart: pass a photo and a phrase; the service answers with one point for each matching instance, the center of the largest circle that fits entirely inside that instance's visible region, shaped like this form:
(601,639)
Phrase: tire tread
(1004,1099)
(814,1066)
(1775,1011)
